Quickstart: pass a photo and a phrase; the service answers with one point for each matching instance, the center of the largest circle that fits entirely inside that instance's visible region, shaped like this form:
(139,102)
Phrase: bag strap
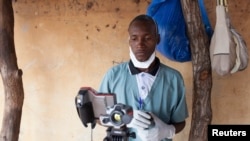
(205,19)
(223,3)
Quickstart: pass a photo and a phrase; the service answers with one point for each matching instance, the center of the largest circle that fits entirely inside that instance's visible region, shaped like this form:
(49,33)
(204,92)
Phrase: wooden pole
(202,74)
(11,75)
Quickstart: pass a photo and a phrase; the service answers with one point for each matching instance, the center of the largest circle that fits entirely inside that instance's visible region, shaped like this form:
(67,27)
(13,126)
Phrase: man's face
(143,39)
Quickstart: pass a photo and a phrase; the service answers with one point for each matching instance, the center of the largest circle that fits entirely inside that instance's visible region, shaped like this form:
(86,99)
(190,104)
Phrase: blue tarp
(174,42)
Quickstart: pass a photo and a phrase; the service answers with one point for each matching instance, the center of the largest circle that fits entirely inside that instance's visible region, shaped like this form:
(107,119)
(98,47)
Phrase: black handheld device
(90,104)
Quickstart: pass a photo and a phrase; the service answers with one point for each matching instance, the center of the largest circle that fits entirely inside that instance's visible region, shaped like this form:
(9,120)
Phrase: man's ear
(158,38)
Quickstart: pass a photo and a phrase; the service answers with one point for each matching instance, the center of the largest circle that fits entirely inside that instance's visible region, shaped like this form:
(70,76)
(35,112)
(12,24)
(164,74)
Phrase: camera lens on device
(116,117)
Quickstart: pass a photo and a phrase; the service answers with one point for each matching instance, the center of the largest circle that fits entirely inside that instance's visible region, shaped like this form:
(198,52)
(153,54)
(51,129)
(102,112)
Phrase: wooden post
(11,75)
(202,74)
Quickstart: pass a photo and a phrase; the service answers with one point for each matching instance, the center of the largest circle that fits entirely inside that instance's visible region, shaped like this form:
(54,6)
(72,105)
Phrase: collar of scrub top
(152,71)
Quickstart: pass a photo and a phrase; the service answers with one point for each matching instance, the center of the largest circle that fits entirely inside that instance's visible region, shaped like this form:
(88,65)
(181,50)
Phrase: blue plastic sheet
(174,42)
(168,15)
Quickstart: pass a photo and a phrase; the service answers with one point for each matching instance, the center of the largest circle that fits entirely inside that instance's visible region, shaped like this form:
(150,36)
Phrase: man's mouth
(140,53)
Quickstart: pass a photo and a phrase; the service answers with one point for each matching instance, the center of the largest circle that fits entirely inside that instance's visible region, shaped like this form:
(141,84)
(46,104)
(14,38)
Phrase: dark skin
(143,40)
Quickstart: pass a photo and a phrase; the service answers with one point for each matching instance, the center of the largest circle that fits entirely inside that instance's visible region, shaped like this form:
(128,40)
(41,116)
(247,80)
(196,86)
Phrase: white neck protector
(139,64)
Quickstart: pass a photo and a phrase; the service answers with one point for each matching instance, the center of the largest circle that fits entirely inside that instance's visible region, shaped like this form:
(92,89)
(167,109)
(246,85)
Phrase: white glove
(140,121)
(160,131)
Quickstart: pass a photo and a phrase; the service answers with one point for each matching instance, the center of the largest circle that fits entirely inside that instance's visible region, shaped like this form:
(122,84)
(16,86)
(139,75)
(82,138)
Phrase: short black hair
(145,18)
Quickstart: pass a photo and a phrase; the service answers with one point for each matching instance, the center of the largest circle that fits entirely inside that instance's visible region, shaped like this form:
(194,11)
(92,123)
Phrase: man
(154,90)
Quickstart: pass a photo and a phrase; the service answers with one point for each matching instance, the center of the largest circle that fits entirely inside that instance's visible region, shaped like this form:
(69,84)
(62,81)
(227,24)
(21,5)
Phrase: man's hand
(160,131)
(141,120)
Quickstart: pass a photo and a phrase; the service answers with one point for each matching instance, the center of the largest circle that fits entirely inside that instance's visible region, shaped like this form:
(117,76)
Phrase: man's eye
(132,39)
(148,38)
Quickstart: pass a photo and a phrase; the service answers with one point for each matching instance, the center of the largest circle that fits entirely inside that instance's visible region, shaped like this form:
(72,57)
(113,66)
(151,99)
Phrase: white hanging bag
(222,47)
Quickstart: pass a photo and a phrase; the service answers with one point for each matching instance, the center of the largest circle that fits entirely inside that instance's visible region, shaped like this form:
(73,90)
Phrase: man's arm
(179,126)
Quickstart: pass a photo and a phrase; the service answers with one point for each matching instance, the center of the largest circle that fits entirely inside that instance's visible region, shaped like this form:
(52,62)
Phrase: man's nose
(140,43)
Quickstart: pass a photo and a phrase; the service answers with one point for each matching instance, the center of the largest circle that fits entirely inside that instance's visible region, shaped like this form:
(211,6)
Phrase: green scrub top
(166,99)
